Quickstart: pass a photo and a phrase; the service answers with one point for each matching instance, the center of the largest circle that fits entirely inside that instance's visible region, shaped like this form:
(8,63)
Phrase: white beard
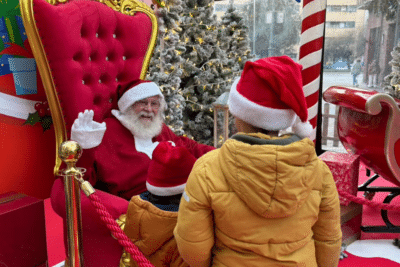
(140,129)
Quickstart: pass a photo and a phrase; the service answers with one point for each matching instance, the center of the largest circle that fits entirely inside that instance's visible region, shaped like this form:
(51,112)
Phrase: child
(152,216)
(262,199)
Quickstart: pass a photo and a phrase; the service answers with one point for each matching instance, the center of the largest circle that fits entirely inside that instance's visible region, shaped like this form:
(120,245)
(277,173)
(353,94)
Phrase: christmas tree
(195,61)
(235,41)
(236,38)
(204,75)
(166,65)
(214,56)
(391,82)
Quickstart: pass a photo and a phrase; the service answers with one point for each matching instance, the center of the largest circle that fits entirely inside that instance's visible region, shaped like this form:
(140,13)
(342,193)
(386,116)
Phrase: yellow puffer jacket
(260,205)
(151,230)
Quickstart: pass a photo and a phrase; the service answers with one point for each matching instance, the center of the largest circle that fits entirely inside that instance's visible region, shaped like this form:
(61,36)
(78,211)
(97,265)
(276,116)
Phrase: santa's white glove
(86,131)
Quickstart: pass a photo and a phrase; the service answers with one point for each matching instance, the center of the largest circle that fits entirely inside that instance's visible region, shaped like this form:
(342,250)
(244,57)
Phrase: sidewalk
(365,87)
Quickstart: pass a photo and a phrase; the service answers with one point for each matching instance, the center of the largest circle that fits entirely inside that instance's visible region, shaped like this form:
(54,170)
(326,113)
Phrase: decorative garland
(42,116)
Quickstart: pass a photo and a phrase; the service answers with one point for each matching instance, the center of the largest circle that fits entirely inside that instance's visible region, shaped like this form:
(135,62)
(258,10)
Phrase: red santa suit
(115,163)
(118,168)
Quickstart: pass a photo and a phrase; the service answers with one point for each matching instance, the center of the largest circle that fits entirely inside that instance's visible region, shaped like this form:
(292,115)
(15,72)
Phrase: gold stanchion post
(70,152)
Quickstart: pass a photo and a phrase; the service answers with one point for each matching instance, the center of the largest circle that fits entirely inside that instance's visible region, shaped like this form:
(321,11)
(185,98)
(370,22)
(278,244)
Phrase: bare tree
(277,24)
(340,48)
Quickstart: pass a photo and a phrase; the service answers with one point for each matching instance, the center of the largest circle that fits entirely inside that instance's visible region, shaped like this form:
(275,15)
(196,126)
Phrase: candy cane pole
(310,56)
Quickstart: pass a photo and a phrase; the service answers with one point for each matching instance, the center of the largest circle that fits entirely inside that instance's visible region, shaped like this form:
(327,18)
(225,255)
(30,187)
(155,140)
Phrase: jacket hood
(273,179)
(149,227)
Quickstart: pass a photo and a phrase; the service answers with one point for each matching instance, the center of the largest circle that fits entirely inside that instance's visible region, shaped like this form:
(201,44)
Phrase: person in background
(262,199)
(355,71)
(152,215)
(120,148)
(373,71)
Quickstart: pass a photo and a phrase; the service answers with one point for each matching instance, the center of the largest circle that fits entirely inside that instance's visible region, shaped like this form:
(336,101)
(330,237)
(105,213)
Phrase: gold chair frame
(71,186)
(128,7)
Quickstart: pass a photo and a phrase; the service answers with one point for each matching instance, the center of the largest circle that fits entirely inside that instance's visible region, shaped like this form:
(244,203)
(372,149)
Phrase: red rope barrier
(142,261)
(122,239)
(373,204)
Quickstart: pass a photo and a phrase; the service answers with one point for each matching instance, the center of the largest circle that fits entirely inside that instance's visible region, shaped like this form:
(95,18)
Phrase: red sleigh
(368,125)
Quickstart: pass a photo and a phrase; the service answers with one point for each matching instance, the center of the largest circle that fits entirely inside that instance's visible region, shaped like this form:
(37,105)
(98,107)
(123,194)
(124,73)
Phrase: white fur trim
(259,116)
(145,146)
(303,129)
(16,107)
(136,93)
(165,191)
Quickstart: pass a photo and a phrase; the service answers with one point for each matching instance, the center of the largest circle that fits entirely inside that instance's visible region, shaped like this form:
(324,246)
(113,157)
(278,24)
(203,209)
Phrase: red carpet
(371,216)
(54,235)
(354,261)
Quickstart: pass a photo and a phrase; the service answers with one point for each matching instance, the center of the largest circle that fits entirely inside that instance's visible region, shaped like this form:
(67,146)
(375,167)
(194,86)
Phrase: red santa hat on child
(269,95)
(134,91)
(169,169)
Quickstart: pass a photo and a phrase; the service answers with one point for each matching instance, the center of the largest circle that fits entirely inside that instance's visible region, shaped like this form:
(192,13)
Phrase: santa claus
(121,147)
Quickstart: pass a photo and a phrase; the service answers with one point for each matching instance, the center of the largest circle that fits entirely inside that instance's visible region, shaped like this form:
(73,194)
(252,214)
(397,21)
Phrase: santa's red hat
(134,91)
(169,169)
(269,95)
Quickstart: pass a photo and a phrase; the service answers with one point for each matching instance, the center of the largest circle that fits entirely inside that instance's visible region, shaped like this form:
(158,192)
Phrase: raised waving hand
(86,131)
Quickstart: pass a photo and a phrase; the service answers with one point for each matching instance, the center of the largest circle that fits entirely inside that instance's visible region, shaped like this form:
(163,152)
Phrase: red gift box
(22,231)
(345,169)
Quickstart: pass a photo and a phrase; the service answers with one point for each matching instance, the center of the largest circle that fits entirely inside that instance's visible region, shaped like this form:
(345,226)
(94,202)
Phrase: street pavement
(343,79)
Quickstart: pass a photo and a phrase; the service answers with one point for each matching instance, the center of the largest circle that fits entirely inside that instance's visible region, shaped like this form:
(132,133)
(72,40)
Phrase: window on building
(340,24)
(268,17)
(352,9)
(339,8)
(335,9)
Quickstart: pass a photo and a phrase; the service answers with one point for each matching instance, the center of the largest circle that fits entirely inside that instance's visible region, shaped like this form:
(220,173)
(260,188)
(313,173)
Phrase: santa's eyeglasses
(145,103)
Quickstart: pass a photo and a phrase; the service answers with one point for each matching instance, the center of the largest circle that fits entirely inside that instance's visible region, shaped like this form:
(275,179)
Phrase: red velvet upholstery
(91,49)
(99,247)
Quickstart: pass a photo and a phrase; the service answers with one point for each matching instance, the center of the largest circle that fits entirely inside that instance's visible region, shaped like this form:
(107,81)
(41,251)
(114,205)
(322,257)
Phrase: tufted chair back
(84,49)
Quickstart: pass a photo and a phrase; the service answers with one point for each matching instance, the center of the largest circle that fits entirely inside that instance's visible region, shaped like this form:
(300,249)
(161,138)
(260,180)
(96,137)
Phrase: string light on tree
(205,70)
(165,66)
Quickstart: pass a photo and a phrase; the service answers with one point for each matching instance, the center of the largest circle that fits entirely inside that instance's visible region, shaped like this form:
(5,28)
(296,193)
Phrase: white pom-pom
(302,129)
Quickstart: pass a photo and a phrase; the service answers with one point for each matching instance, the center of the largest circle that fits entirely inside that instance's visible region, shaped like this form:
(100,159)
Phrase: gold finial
(70,151)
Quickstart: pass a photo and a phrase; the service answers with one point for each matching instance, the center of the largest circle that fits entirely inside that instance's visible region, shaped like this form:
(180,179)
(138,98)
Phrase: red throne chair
(84,49)
(368,125)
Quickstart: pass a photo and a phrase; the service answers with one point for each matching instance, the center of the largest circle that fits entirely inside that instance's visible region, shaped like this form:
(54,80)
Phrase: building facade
(344,23)
(381,36)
